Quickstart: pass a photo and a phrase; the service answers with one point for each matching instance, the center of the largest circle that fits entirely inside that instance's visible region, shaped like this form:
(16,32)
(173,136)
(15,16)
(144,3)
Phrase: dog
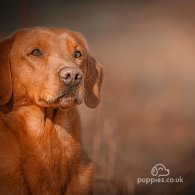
(45,74)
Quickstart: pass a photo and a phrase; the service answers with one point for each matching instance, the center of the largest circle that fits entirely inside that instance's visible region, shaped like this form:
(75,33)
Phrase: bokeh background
(147,114)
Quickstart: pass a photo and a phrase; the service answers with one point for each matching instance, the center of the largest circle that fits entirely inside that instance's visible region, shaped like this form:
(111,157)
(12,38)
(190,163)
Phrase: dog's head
(50,68)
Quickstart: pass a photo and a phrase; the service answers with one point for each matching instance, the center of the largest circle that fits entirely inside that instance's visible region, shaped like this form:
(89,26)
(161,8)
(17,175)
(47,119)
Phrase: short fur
(40,144)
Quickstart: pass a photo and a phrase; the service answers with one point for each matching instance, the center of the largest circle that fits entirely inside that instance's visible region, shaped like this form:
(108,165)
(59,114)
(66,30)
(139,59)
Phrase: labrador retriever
(44,74)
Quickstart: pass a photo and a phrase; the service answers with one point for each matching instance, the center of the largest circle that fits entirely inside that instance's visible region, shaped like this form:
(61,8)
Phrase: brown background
(147,114)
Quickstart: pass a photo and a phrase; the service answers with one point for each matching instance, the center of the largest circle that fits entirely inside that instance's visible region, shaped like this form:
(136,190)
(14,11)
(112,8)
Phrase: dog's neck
(36,120)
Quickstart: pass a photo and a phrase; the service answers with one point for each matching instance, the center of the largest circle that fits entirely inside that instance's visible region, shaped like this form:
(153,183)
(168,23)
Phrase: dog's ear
(93,82)
(94,75)
(5,72)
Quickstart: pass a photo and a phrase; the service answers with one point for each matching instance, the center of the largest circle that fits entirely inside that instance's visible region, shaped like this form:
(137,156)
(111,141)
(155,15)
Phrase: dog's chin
(68,103)
(63,103)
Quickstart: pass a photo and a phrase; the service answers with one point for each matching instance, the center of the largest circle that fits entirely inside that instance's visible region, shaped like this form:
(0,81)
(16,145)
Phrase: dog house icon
(160,170)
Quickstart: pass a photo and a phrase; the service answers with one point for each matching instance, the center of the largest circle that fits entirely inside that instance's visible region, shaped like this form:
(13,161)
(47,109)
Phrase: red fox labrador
(45,74)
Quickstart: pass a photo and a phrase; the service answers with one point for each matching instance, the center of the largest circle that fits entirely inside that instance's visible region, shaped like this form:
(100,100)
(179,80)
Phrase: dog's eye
(77,54)
(36,52)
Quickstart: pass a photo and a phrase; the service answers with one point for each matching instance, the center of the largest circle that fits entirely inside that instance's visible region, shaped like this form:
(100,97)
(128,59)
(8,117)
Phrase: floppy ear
(94,76)
(5,73)
(93,82)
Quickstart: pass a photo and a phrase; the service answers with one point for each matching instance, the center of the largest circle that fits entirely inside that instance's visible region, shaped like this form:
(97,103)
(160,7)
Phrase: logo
(160,170)
(159,173)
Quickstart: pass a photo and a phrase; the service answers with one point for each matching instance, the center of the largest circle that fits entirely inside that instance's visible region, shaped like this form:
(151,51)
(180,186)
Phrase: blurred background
(147,113)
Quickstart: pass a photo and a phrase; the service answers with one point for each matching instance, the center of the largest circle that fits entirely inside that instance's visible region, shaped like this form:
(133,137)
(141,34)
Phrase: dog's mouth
(64,99)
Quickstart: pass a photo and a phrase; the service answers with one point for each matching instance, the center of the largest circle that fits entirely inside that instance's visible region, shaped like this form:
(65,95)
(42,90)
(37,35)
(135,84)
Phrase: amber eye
(77,54)
(36,52)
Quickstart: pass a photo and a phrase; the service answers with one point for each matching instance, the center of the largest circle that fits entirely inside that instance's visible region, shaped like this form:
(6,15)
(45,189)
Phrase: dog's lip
(66,97)
(53,100)
(60,96)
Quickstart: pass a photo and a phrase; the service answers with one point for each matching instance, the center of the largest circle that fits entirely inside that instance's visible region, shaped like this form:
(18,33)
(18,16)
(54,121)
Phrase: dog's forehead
(47,39)
(44,35)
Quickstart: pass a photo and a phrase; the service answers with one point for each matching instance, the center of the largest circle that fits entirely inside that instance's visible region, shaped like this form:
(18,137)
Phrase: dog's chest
(52,158)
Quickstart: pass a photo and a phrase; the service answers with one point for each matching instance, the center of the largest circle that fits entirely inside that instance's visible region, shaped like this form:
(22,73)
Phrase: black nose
(71,76)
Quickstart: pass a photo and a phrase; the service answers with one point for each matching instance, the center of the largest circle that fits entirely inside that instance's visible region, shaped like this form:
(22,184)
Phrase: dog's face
(50,68)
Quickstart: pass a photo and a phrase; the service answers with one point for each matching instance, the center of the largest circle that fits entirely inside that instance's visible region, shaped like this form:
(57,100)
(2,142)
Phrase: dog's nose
(71,76)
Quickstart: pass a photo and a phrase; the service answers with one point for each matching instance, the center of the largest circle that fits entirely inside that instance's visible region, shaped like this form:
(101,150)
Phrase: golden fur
(40,146)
